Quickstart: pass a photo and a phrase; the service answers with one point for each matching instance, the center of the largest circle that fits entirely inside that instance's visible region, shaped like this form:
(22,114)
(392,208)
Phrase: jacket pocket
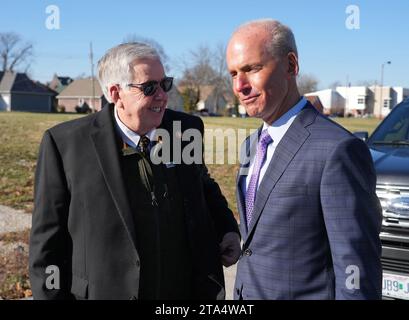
(288,190)
(79,287)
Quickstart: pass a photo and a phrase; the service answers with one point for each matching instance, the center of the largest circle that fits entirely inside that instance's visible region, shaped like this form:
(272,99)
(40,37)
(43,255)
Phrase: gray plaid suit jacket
(316,222)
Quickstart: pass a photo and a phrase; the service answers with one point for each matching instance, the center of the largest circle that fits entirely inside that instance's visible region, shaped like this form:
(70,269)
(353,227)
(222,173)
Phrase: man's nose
(160,94)
(241,84)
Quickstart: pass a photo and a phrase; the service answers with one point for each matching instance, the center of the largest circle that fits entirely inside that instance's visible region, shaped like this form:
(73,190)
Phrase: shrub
(61,109)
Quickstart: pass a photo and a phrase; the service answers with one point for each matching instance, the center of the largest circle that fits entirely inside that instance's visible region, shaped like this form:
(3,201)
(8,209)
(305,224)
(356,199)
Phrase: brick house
(80,92)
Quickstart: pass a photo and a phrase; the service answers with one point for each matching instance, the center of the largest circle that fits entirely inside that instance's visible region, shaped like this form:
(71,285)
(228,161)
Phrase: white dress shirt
(128,136)
(276,131)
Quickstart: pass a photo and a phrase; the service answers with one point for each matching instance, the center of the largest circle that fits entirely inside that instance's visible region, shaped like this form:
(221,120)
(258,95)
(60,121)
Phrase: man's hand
(230,248)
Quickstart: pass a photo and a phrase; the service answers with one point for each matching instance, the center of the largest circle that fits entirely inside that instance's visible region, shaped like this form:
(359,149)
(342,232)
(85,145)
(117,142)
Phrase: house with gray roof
(59,83)
(19,93)
(82,92)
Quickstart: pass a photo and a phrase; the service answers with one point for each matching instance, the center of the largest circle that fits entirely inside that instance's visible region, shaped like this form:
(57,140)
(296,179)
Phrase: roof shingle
(81,88)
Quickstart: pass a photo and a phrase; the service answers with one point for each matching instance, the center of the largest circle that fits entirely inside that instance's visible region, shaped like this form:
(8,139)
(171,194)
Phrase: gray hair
(115,67)
(281,40)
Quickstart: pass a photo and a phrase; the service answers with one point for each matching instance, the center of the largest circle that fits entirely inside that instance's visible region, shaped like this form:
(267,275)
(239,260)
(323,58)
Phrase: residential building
(82,92)
(19,93)
(316,102)
(361,100)
(242,110)
(58,84)
(356,100)
(382,101)
(332,102)
(211,99)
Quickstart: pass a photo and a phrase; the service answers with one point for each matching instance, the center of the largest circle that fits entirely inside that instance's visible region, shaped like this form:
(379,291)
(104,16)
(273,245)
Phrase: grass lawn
(21,134)
(225,175)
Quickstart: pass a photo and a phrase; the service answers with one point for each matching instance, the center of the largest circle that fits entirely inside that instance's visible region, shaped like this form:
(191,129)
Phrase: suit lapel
(240,201)
(103,137)
(288,147)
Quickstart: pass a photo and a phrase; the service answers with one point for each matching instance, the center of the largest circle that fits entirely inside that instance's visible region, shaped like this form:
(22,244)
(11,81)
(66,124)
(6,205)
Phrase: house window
(386,103)
(361,101)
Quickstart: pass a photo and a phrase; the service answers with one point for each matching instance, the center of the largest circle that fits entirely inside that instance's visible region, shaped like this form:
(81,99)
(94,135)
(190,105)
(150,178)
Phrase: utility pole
(346,109)
(380,100)
(91,57)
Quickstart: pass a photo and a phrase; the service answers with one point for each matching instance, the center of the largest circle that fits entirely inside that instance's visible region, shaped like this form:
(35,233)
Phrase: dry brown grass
(14,280)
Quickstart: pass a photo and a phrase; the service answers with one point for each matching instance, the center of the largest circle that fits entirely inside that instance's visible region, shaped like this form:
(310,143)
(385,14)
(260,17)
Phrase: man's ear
(114,93)
(293,67)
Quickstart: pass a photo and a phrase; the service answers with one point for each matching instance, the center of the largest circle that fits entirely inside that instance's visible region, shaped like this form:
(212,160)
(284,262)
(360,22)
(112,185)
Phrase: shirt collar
(279,127)
(130,137)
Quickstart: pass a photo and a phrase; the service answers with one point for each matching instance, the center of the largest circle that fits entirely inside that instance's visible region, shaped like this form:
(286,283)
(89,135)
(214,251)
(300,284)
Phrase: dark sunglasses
(149,88)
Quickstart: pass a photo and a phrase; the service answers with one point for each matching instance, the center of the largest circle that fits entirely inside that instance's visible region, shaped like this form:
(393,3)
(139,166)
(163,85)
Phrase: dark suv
(389,145)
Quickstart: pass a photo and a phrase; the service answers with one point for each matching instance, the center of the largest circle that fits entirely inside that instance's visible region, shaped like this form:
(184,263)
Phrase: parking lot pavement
(229,277)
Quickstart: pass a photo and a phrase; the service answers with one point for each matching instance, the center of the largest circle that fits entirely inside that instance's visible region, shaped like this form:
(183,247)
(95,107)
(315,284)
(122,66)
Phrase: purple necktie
(264,140)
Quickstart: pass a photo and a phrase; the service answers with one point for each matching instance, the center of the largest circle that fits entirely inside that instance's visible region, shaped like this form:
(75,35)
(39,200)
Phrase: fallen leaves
(14,279)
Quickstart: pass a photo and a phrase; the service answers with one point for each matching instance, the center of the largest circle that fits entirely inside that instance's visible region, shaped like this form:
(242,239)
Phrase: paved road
(229,276)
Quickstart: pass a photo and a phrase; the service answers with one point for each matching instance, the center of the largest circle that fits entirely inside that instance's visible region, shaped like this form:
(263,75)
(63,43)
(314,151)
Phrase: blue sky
(327,49)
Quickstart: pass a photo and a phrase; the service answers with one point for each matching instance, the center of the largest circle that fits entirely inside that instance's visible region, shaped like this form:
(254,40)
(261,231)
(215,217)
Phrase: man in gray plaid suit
(310,217)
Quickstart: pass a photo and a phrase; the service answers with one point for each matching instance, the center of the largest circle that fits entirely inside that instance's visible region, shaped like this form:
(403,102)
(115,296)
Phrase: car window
(395,127)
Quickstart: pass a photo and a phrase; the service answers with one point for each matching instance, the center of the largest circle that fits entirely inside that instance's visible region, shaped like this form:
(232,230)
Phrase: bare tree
(13,52)
(206,66)
(190,98)
(223,84)
(163,56)
(197,71)
(202,71)
(306,83)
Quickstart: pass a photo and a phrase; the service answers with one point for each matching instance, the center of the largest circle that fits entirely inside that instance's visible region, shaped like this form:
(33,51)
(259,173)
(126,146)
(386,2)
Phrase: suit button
(248,252)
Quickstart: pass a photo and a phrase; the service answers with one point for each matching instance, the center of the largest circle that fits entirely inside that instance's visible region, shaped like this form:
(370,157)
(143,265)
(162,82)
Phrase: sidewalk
(229,277)
(12,220)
